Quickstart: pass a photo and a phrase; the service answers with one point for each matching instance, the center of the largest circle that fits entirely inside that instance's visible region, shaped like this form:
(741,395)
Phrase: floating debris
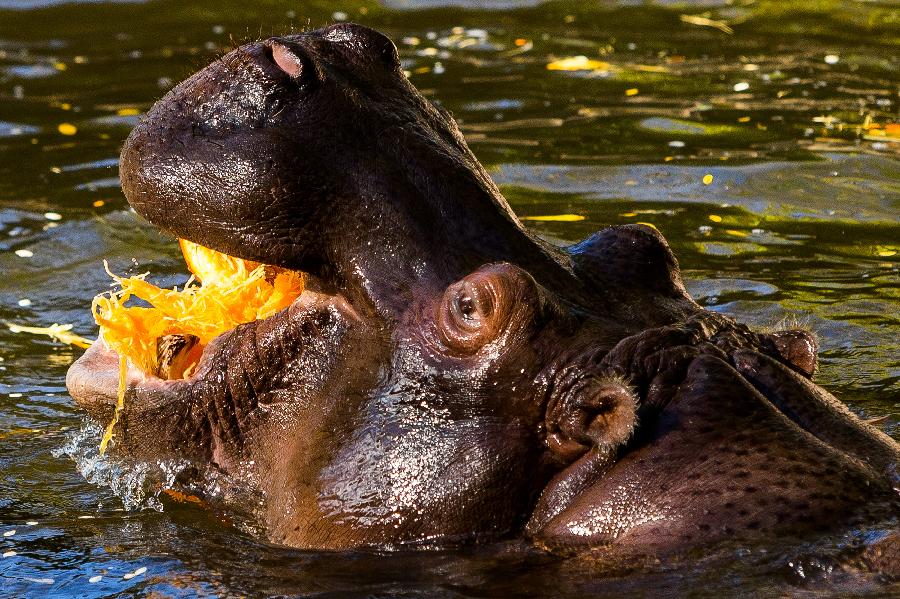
(675,143)
(98,203)
(633,91)
(707,179)
(9,553)
(706,22)
(24,253)
(561,218)
(832,58)
(53,216)
(67,129)
(9,533)
(578,63)
(31,523)
(24,302)
(137,572)
(741,86)
(715,218)
(59,332)
(95,579)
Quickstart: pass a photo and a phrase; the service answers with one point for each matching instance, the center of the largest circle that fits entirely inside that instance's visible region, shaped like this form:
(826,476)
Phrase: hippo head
(446,376)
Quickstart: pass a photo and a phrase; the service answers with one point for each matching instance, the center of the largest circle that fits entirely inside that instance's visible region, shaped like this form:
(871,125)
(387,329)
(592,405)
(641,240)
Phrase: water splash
(137,484)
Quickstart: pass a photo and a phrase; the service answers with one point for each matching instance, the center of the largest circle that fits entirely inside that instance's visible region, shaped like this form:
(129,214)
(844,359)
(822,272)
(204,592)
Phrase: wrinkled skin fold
(448,377)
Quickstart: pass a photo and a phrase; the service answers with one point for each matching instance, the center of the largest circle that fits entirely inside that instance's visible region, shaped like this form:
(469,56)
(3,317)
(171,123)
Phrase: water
(800,220)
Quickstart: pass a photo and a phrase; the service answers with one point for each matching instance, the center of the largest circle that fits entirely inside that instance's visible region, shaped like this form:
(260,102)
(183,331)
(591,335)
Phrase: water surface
(755,135)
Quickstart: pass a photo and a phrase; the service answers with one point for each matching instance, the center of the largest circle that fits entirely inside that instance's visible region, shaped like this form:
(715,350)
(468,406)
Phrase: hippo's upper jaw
(446,376)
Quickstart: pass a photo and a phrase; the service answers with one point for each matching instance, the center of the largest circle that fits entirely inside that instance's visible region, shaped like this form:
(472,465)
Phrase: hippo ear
(591,412)
(631,256)
(799,348)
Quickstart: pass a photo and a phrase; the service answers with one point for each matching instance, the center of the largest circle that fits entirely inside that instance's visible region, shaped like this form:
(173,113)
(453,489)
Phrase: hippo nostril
(286,60)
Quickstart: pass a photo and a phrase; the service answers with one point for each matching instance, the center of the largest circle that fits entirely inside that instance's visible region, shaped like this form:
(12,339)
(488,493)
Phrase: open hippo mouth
(446,375)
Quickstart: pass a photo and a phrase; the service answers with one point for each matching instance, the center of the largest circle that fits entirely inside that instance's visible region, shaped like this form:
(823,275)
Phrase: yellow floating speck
(632,91)
(128,112)
(669,158)
(744,119)
(736,233)
(651,225)
(707,179)
(715,218)
(628,214)
(886,253)
(98,203)
(577,63)
(67,129)
(65,106)
(60,66)
(562,218)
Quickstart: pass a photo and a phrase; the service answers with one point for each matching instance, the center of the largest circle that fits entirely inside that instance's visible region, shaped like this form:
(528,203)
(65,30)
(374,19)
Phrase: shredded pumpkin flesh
(230,292)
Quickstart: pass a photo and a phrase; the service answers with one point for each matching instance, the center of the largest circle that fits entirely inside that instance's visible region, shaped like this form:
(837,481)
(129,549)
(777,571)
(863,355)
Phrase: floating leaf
(578,63)
(563,218)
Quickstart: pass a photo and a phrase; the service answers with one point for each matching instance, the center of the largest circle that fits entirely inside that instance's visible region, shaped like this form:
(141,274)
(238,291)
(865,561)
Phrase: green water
(775,100)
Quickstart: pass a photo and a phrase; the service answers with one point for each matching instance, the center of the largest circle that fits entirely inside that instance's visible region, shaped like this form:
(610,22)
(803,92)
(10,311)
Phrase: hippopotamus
(447,376)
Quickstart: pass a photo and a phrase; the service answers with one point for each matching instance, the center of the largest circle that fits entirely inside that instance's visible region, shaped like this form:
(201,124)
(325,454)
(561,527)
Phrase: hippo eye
(471,305)
(473,311)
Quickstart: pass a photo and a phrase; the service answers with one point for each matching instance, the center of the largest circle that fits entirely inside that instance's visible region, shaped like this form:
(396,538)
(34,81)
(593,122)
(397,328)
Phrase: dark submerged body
(450,377)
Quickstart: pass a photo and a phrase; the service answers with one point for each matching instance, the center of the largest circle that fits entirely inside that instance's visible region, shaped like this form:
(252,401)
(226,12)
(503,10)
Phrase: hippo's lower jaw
(453,377)
(202,417)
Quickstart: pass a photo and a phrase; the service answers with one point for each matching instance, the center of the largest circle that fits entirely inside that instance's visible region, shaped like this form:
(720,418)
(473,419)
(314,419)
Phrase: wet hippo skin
(448,377)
